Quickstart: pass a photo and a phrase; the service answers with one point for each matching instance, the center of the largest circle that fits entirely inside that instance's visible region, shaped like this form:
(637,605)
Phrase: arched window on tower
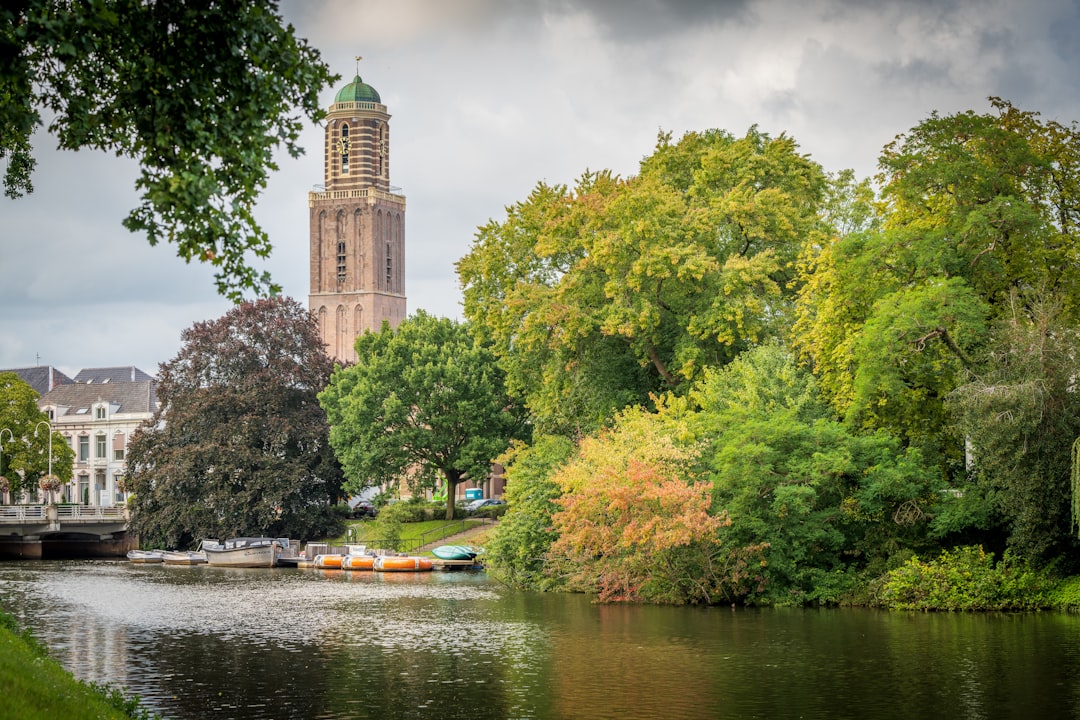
(343,148)
(341,261)
(389,269)
(358,263)
(342,335)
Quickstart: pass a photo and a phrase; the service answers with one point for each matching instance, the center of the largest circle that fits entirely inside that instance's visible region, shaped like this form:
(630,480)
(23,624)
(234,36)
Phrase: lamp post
(48,425)
(11,435)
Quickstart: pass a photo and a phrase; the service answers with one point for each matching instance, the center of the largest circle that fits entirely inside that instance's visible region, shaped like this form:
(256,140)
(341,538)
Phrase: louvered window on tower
(341,261)
(389,267)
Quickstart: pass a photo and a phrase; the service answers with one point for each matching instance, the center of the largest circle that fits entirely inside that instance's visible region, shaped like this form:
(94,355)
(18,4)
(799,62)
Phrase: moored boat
(398,563)
(358,562)
(145,556)
(455,552)
(243,552)
(328,561)
(183,557)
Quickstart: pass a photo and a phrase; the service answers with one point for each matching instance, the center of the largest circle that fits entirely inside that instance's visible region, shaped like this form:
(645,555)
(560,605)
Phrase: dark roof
(129,373)
(42,378)
(132,397)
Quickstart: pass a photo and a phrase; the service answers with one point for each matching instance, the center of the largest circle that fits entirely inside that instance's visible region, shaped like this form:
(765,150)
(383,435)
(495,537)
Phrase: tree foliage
(200,93)
(635,524)
(517,550)
(423,401)
(24,453)
(239,445)
(824,500)
(599,296)
(1020,414)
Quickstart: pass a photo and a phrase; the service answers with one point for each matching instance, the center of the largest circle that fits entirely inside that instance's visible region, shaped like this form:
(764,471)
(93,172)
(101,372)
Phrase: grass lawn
(33,685)
(367,532)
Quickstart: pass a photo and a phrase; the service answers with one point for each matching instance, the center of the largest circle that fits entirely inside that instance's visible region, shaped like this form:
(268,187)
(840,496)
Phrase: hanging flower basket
(49,483)
(5,485)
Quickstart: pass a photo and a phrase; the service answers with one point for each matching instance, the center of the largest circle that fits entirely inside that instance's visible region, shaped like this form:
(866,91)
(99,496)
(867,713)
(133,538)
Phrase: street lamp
(49,478)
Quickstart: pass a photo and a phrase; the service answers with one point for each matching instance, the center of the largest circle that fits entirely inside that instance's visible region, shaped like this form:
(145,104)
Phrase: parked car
(476,505)
(365,508)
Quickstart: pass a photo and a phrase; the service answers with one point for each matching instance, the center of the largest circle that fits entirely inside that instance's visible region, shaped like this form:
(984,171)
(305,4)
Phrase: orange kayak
(328,561)
(390,563)
(358,562)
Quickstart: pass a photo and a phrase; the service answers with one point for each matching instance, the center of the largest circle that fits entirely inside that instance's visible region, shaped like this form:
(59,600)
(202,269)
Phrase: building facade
(357,225)
(97,415)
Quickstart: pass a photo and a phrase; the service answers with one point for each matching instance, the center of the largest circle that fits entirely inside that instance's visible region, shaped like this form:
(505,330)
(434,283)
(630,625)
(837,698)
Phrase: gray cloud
(490,97)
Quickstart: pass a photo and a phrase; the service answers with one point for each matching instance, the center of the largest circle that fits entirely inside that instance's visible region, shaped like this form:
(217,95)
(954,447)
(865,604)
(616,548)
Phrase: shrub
(965,579)
(1066,595)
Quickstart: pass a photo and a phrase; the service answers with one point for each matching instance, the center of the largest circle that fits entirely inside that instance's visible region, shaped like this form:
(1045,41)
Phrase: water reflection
(231,643)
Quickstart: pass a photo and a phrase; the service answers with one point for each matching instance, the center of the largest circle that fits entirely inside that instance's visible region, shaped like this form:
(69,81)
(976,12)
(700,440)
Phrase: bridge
(53,531)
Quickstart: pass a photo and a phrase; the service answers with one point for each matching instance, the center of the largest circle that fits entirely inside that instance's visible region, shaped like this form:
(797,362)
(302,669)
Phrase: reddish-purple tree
(239,445)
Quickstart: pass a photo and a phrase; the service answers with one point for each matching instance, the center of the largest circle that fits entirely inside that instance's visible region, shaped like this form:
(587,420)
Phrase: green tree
(599,297)
(517,550)
(972,207)
(24,453)
(239,445)
(200,93)
(1020,414)
(824,501)
(423,400)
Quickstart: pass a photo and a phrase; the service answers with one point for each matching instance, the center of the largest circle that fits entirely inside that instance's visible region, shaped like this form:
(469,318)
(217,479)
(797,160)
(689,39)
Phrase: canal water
(200,642)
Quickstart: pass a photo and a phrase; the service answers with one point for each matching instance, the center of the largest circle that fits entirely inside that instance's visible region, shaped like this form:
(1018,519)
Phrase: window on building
(118,446)
(389,267)
(99,447)
(84,448)
(341,261)
(99,412)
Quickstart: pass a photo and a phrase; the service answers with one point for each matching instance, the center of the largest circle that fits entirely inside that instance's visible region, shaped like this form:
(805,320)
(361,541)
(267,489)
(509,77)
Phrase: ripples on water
(201,642)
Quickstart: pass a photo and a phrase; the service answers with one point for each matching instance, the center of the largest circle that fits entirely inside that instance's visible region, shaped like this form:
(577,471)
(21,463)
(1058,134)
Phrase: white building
(97,415)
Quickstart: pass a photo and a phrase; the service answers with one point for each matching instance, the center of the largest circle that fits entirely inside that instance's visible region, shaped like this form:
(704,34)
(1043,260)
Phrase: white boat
(244,552)
(145,556)
(183,557)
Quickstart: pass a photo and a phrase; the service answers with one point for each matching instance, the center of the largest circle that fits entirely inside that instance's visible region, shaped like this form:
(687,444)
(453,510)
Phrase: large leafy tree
(240,444)
(973,207)
(24,444)
(599,296)
(425,401)
(200,93)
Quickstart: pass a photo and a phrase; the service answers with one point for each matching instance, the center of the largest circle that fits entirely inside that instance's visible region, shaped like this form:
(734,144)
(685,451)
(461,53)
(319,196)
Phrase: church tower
(357,225)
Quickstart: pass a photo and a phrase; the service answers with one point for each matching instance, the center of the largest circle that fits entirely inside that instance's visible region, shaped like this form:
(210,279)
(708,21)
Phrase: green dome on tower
(358,91)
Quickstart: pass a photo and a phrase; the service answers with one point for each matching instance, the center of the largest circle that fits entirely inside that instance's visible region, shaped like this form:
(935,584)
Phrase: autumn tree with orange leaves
(634,523)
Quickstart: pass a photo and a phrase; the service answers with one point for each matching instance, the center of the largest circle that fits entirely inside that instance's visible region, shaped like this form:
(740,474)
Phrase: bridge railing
(89,512)
(39,513)
(21,513)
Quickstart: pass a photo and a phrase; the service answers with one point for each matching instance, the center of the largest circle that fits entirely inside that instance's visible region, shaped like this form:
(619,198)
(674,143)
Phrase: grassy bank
(33,685)
(368,532)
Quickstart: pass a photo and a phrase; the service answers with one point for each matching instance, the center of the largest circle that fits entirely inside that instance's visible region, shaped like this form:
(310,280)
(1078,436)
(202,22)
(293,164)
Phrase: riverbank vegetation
(754,381)
(36,687)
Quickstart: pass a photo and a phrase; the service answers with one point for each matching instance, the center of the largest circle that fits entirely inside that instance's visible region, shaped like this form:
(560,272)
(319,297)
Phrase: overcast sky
(487,98)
